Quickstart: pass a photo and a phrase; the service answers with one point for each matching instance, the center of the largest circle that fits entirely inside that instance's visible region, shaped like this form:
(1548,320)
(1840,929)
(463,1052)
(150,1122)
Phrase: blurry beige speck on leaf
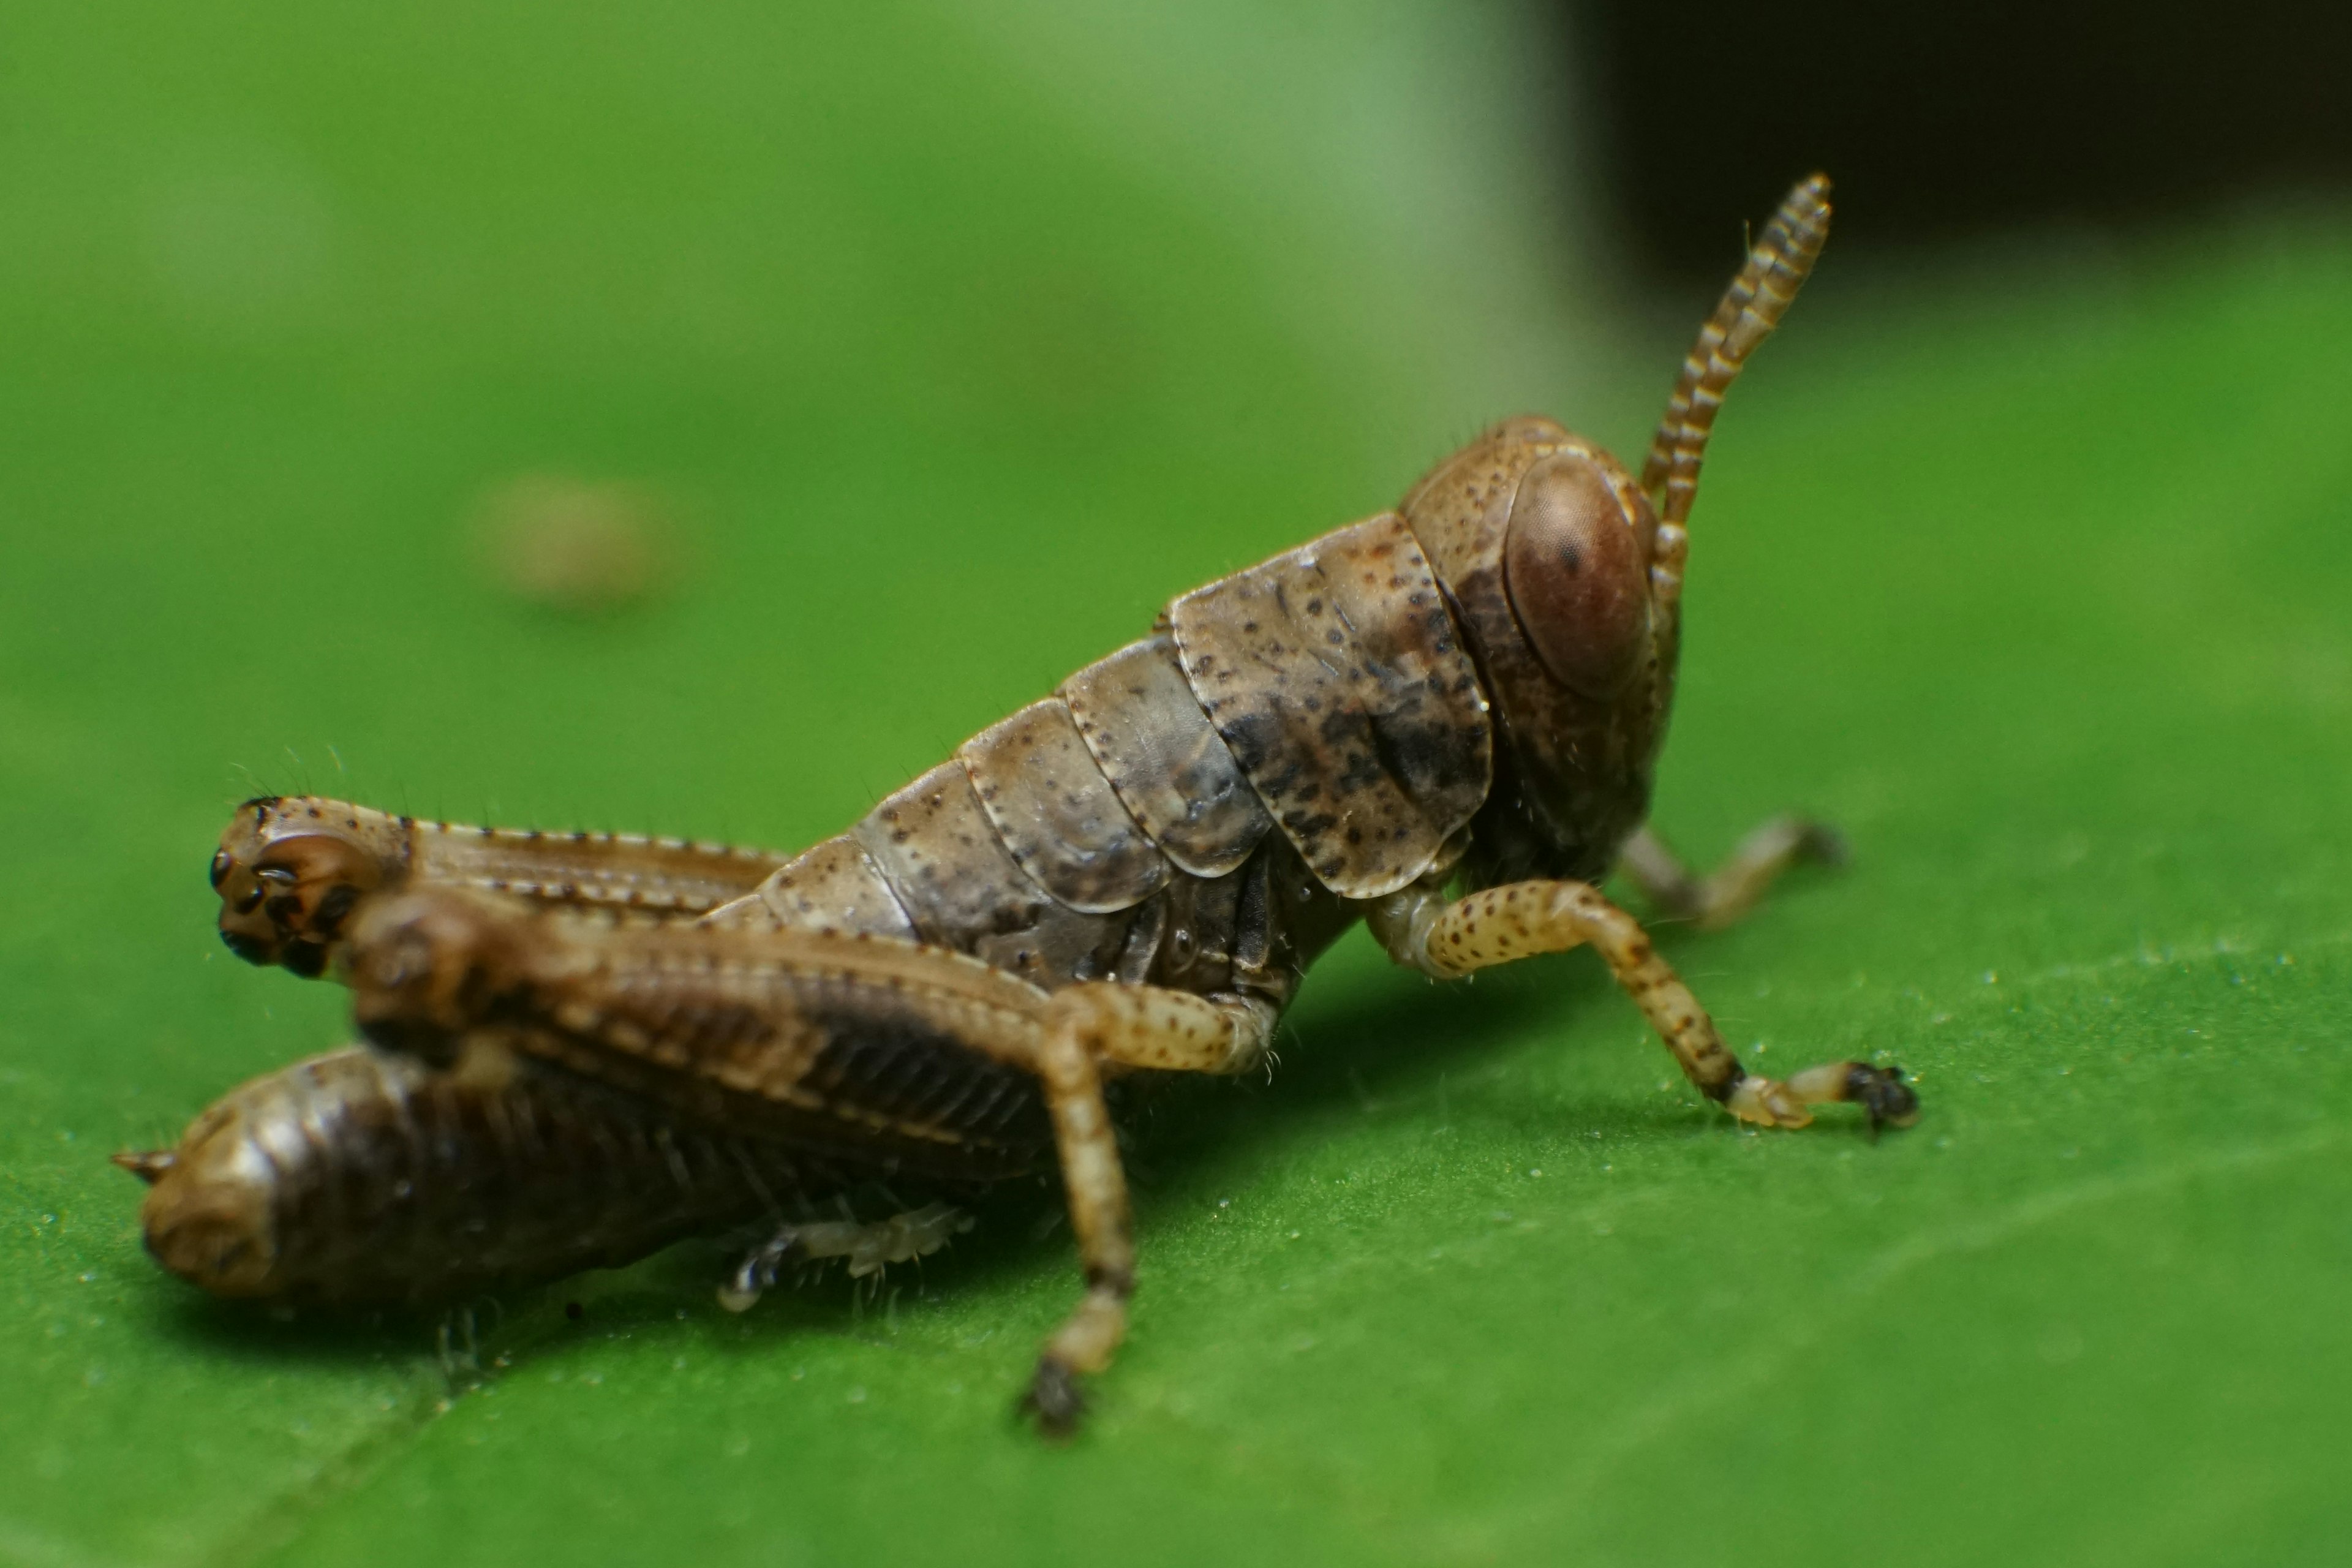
(586,547)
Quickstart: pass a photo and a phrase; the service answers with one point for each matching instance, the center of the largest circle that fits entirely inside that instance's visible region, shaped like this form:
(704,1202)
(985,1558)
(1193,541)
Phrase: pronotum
(1442,721)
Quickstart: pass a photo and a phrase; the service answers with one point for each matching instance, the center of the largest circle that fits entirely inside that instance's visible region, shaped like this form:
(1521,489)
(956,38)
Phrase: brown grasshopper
(1442,721)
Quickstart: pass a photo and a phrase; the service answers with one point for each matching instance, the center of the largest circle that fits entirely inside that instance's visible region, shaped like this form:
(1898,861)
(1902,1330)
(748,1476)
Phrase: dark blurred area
(1938,123)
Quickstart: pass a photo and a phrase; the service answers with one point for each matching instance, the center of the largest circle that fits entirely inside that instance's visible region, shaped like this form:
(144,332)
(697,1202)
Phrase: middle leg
(1131,1026)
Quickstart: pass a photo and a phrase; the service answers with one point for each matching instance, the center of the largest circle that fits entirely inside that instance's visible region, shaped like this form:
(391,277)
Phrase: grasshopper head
(1546,548)
(1567,574)
(290,870)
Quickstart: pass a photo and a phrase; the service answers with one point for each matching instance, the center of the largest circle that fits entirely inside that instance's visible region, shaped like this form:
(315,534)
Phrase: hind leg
(290,871)
(734,1025)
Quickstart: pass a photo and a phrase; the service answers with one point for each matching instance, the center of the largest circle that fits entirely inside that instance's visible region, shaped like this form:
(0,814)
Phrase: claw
(1054,1398)
(1824,844)
(1885,1098)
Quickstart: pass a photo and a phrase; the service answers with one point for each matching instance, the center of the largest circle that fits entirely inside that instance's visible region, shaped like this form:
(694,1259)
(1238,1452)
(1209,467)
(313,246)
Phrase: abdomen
(365,1176)
(1204,809)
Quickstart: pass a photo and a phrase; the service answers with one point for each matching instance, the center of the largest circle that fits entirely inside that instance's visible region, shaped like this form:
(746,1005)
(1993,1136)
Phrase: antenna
(1749,310)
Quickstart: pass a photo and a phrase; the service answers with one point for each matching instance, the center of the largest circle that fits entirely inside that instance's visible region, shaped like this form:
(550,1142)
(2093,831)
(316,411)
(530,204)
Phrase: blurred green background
(944,342)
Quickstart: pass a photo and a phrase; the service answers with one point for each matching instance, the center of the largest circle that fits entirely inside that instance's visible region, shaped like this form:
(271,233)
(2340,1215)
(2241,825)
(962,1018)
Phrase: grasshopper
(1442,721)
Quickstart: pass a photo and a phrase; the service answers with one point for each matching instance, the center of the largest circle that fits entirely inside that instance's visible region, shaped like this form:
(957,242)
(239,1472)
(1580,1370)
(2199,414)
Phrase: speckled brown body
(1443,719)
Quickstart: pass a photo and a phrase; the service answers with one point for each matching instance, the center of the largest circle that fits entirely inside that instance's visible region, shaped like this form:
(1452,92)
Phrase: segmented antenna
(1750,309)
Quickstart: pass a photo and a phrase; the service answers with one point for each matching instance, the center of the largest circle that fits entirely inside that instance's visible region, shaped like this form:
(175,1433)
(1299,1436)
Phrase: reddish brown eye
(1579,575)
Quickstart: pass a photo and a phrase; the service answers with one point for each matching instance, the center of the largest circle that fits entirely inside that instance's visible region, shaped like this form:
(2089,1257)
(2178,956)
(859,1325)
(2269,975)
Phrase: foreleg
(1675,891)
(1420,929)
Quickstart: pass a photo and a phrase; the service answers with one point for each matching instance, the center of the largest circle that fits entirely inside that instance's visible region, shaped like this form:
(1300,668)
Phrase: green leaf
(951,347)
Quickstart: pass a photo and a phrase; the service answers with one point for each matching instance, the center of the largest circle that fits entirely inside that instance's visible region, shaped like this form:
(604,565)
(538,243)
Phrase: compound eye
(1577,571)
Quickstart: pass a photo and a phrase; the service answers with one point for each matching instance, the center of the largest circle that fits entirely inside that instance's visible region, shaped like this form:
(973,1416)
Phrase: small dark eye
(222,865)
